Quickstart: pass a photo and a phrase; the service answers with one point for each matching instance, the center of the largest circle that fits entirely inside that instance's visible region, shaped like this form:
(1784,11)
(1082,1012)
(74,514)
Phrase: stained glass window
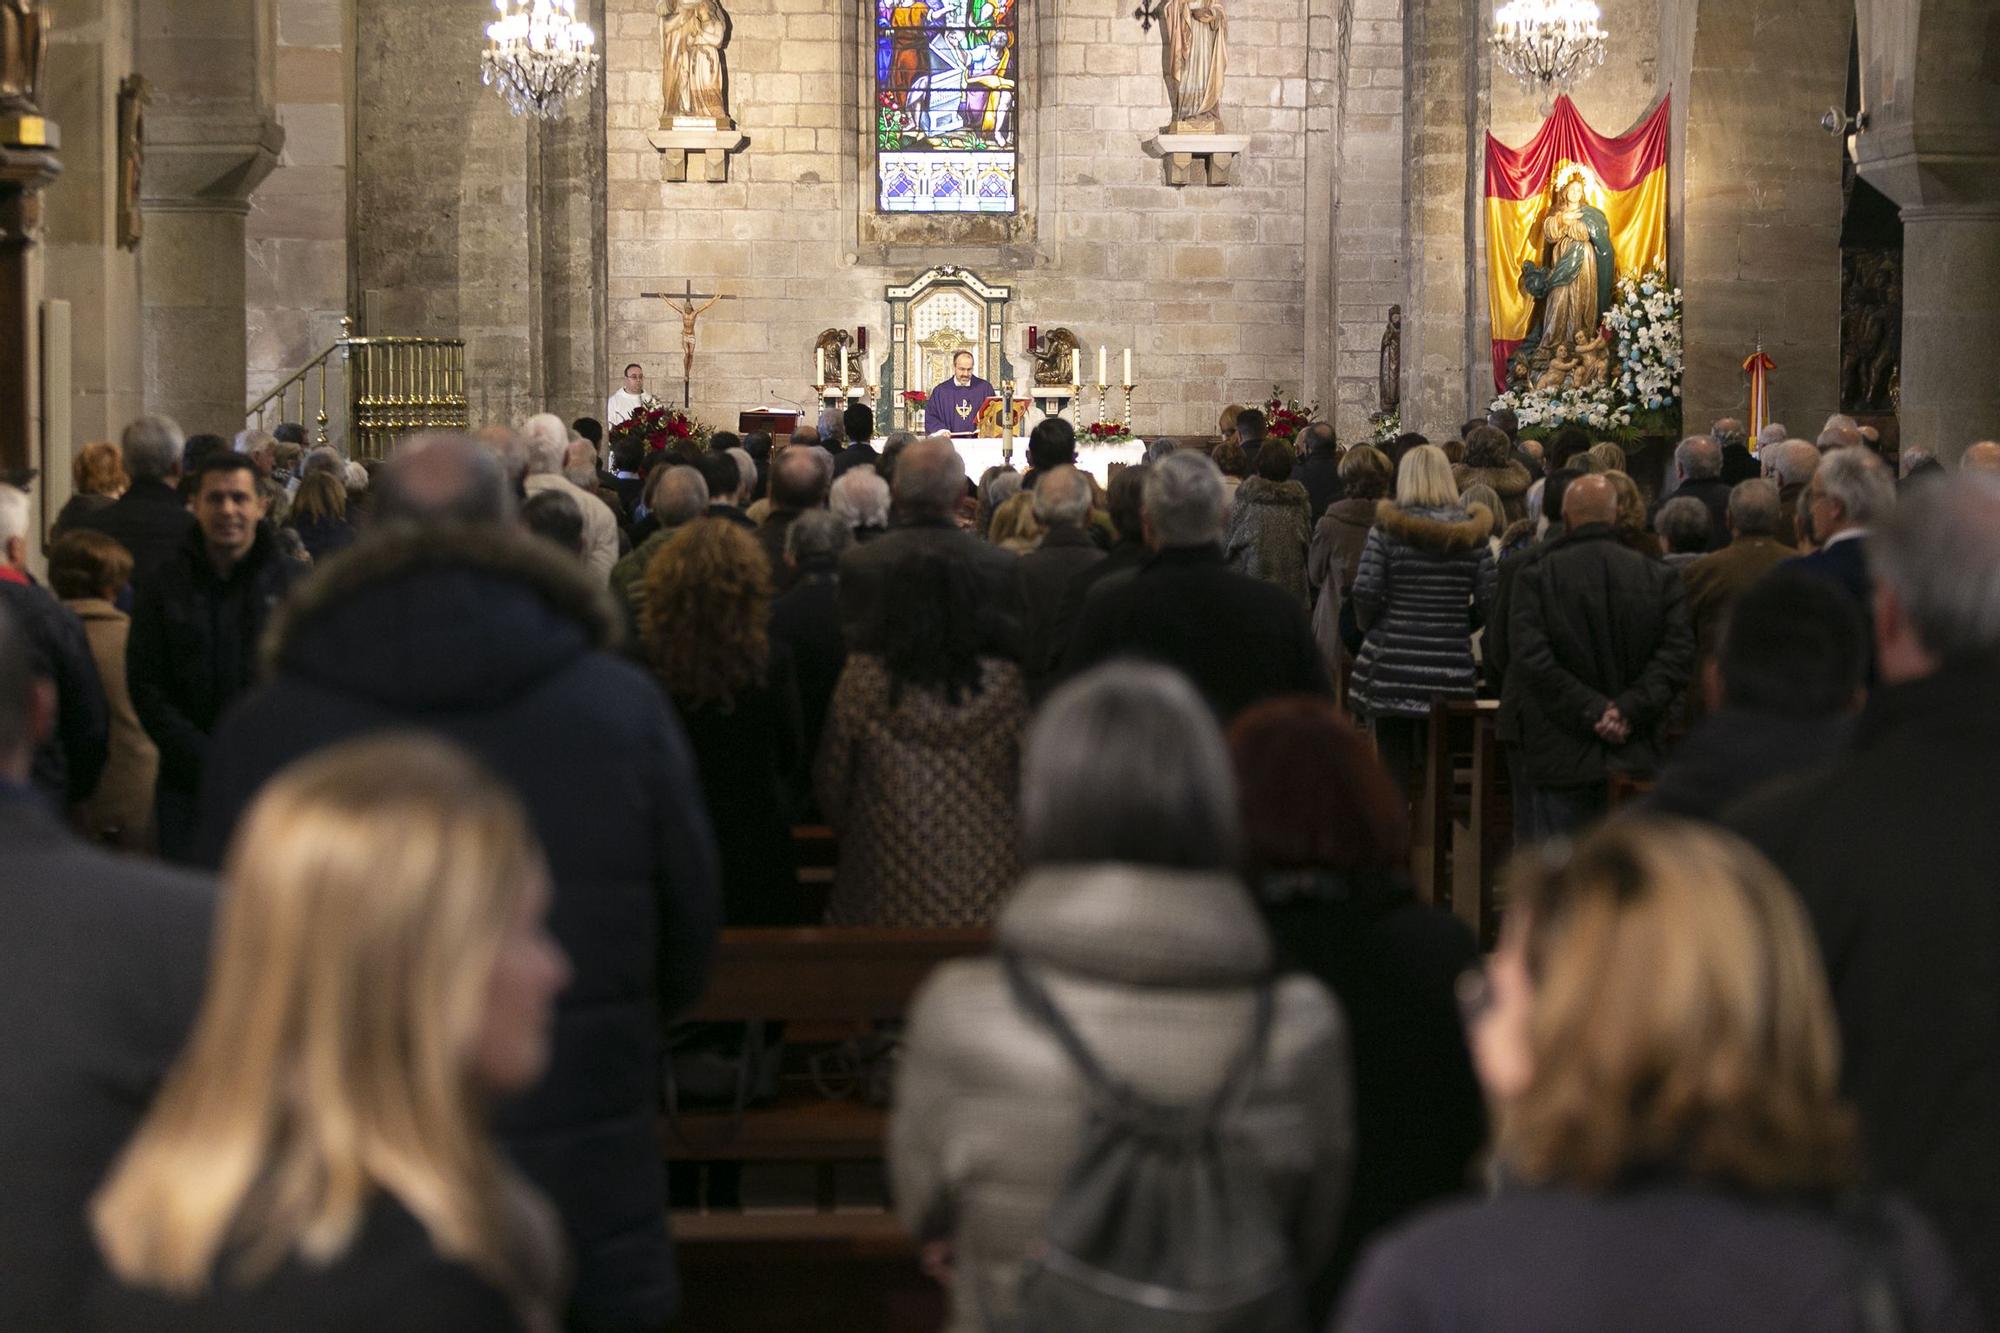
(944,106)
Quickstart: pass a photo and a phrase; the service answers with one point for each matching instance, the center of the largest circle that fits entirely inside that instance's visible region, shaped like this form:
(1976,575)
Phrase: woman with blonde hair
(1015,527)
(1426,573)
(97,477)
(319,1157)
(706,629)
(319,516)
(1631,521)
(1658,1045)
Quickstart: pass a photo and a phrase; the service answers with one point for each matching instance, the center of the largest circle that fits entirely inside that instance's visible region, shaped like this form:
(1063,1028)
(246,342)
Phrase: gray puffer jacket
(1425,575)
(1157,969)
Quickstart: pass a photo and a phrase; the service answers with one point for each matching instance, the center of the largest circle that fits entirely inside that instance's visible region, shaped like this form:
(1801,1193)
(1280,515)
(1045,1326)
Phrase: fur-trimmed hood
(1510,482)
(445,616)
(1452,529)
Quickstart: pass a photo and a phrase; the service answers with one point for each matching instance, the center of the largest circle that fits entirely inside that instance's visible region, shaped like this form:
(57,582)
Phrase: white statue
(692,33)
(1195,57)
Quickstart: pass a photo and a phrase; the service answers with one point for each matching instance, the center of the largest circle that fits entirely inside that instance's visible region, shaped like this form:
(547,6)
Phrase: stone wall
(1207,285)
(297,230)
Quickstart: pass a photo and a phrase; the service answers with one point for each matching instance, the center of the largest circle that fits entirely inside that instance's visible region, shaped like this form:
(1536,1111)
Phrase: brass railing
(394,386)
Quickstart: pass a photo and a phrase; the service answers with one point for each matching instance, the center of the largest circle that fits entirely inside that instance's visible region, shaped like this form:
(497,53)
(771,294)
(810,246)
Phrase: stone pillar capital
(208,162)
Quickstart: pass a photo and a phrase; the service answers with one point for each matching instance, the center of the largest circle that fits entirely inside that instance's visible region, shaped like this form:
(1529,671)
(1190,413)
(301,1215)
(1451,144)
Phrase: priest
(953,406)
(628,398)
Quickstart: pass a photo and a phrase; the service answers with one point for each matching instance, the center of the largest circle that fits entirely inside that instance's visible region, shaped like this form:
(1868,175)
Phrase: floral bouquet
(659,428)
(1285,417)
(916,397)
(1107,432)
(1386,426)
(1643,394)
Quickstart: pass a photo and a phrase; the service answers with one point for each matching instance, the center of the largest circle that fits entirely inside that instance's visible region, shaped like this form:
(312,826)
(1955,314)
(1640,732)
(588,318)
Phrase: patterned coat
(1425,574)
(922,795)
(1270,525)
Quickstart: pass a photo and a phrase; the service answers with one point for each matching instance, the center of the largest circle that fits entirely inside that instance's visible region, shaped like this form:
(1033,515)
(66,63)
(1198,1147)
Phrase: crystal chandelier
(540,55)
(1547,44)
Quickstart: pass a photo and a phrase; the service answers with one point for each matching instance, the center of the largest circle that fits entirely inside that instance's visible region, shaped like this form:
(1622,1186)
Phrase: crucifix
(683,301)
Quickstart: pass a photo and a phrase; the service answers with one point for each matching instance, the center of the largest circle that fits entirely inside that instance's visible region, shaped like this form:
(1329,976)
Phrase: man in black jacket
(195,633)
(101,966)
(799,480)
(1698,473)
(69,761)
(1239,639)
(1892,848)
(858,421)
(1062,507)
(1318,468)
(1598,649)
(149,520)
(446,617)
(930,479)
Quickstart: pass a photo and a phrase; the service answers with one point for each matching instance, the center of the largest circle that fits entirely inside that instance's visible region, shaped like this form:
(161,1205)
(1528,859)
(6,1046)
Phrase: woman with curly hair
(920,762)
(706,632)
(1631,521)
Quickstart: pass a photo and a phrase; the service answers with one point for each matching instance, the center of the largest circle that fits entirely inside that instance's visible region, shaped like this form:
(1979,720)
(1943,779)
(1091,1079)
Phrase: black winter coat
(150,520)
(806,620)
(1046,573)
(1426,578)
(101,969)
(69,763)
(1319,473)
(194,645)
(1733,752)
(1593,624)
(865,570)
(1240,640)
(1892,848)
(1713,492)
(496,640)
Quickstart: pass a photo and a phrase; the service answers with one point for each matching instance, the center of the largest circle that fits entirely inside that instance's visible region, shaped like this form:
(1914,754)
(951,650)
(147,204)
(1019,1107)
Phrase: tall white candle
(1128,367)
(843,368)
(1101,354)
(1076,370)
(819,366)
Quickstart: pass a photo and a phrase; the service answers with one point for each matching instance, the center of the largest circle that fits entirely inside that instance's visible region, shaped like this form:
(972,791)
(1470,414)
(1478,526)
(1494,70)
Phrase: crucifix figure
(683,301)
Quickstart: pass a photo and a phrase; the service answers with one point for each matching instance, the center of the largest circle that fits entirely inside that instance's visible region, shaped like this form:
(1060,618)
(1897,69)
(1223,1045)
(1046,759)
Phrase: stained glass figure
(945,125)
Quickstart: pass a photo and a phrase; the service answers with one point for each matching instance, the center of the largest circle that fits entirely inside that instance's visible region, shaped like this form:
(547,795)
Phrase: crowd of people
(368,824)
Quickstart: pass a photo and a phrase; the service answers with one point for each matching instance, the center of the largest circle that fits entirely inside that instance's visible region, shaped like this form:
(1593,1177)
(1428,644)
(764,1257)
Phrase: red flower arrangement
(915,397)
(1107,432)
(660,428)
(1285,417)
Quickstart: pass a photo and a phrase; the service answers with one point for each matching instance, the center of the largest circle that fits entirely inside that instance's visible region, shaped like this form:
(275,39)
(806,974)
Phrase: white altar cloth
(1096,459)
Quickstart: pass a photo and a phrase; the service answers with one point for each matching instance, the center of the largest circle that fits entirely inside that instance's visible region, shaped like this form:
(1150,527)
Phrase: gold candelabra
(1128,406)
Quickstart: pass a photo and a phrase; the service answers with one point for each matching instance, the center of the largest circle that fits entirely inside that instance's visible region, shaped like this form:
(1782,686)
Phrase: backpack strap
(1113,1092)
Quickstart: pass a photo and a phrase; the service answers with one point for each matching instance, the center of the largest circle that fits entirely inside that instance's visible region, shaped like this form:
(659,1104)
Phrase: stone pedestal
(27,163)
(706,149)
(1951,326)
(1196,159)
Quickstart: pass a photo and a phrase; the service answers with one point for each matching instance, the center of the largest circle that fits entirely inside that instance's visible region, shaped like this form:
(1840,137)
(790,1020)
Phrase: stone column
(1932,144)
(211,139)
(28,162)
(1443,382)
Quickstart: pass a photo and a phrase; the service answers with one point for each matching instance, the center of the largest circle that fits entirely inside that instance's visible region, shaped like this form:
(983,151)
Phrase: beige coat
(1156,969)
(121,809)
(600,525)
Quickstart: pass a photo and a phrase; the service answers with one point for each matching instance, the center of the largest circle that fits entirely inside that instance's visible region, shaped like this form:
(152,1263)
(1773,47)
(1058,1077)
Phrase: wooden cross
(684,302)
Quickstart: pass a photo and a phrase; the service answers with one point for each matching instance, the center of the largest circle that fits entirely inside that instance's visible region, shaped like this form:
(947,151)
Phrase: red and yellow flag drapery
(1630,190)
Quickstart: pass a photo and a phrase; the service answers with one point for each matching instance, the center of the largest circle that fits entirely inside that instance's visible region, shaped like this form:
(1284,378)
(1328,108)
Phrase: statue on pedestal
(24,33)
(1389,369)
(1195,57)
(692,33)
(1575,287)
(1055,360)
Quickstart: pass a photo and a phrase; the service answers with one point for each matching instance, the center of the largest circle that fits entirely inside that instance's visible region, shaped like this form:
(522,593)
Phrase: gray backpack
(1164,1224)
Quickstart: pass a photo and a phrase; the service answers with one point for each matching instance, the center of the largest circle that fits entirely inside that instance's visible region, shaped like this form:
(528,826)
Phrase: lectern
(776,424)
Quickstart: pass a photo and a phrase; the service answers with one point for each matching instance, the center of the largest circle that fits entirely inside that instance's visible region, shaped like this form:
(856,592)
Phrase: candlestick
(844,368)
(1076,372)
(1128,367)
(1128,405)
(1100,402)
(1102,379)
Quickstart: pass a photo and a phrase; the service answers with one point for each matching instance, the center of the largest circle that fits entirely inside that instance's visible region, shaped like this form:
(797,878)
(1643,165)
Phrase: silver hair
(860,498)
(1839,437)
(1773,433)
(1753,508)
(1683,524)
(443,477)
(930,478)
(251,439)
(1698,457)
(547,439)
(1940,553)
(1841,421)
(356,477)
(1159,449)
(1062,497)
(1534,500)
(901,439)
(1184,500)
(746,468)
(580,463)
(1793,462)
(1000,485)
(680,497)
(1860,482)
(817,534)
(323,459)
(1911,459)
(13,514)
(1729,431)
(151,447)
(1126,764)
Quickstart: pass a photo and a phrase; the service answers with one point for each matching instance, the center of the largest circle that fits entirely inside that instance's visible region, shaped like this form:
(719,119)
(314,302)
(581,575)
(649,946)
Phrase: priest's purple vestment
(954,407)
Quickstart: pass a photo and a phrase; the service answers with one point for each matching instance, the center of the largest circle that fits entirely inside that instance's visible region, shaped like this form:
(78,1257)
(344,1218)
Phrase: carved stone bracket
(707,150)
(1196,159)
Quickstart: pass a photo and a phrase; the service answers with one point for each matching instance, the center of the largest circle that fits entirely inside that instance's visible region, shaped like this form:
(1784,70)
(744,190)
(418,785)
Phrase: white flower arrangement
(1646,378)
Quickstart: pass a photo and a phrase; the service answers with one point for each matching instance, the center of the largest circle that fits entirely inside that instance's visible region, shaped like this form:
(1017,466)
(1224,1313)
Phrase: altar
(1096,459)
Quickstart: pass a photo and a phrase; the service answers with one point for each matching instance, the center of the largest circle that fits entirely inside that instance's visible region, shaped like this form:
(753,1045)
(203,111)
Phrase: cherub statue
(1562,367)
(1593,355)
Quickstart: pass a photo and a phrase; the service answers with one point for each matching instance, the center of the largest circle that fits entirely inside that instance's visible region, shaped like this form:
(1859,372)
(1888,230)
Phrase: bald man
(1600,648)
(1981,457)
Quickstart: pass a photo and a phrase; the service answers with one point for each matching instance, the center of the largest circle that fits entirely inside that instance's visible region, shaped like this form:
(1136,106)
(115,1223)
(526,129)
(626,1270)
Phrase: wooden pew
(1468,811)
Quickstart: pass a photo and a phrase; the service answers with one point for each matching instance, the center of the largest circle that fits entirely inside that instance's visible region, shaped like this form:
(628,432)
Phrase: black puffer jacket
(1425,575)
(1594,624)
(494,639)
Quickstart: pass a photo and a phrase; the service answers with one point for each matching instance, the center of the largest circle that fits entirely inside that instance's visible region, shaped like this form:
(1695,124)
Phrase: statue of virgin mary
(1195,57)
(691,36)
(1575,287)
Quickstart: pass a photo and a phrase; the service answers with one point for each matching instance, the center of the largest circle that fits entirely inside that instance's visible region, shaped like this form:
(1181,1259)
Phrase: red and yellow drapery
(1631,191)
